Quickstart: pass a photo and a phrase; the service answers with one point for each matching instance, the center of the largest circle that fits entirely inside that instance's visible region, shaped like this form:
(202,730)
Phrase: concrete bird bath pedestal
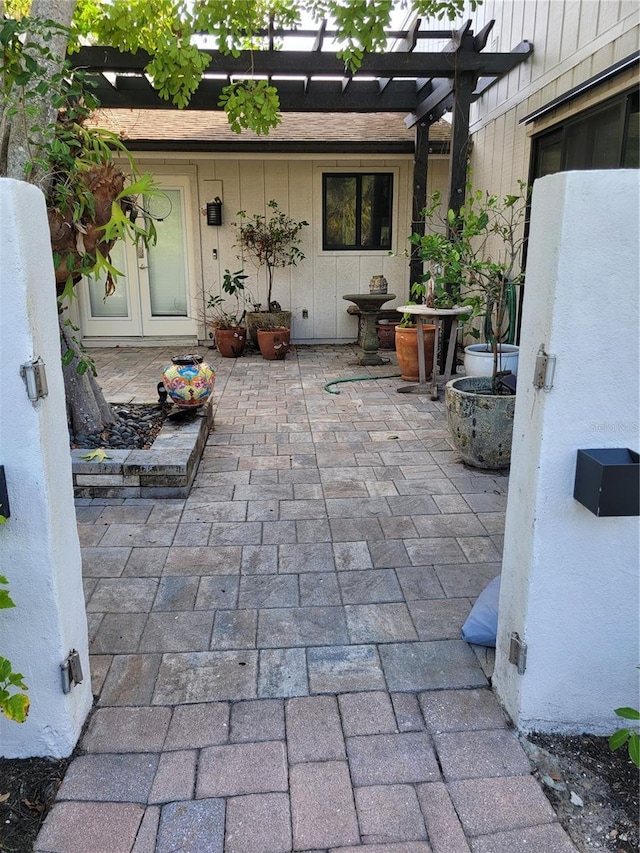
(370,305)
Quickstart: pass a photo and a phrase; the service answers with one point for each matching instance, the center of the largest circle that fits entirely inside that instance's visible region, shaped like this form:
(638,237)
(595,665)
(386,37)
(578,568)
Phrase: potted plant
(270,240)
(406,338)
(488,231)
(228,321)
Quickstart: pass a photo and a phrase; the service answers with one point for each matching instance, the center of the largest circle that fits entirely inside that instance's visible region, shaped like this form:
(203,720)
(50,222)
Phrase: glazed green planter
(480,423)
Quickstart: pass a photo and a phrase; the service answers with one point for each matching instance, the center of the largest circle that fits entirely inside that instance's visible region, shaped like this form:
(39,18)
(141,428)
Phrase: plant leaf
(99,455)
(618,739)
(634,748)
(628,713)
(16,708)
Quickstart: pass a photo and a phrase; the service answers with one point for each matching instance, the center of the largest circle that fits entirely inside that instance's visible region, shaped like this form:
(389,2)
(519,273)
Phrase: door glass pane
(115,305)
(167,267)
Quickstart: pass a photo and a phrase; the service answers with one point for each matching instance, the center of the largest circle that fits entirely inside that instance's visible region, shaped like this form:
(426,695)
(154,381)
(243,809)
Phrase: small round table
(370,305)
(435,316)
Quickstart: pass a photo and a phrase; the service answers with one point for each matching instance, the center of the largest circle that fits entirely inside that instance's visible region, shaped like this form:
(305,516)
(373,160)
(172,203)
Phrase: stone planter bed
(166,470)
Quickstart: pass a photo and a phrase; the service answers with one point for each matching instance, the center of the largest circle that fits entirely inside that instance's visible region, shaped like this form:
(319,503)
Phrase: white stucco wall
(570,579)
(39,548)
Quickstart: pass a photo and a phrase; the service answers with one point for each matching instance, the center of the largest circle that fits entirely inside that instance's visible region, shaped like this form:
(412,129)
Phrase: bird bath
(370,305)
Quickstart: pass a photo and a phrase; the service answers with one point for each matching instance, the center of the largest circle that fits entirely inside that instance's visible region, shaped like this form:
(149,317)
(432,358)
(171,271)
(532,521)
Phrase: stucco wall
(39,548)
(570,579)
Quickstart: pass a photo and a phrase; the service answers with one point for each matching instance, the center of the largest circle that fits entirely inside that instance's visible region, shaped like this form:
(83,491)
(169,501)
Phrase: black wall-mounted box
(608,481)
(4,495)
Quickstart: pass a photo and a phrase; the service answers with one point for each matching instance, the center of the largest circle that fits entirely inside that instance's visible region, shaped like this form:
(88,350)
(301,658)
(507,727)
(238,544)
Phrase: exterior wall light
(214,212)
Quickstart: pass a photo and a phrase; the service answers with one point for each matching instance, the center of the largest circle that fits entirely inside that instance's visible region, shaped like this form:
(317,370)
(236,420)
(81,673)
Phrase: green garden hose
(509,335)
(356,379)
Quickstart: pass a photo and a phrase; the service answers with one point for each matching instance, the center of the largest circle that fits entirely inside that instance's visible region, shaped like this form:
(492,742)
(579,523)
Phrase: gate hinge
(518,652)
(71,671)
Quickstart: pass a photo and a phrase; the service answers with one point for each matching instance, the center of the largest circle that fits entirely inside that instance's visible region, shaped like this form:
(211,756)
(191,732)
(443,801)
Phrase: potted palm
(270,240)
(228,326)
(489,231)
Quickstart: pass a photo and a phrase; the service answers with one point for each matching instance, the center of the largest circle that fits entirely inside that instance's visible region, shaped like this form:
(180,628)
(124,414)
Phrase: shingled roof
(203,130)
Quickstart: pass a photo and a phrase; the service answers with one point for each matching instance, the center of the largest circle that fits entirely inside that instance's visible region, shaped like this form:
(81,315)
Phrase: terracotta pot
(387,334)
(230,343)
(273,343)
(407,351)
(255,320)
(188,381)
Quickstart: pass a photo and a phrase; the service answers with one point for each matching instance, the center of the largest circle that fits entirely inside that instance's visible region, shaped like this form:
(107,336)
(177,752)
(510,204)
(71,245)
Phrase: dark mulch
(603,812)
(28,788)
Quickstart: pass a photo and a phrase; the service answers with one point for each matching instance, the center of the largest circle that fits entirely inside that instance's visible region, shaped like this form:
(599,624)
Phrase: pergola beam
(286,63)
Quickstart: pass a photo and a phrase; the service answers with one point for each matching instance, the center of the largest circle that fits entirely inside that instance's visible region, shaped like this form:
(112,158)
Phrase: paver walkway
(277,659)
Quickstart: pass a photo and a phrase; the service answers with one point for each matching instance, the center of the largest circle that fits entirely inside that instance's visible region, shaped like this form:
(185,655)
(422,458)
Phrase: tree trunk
(87,409)
(17,139)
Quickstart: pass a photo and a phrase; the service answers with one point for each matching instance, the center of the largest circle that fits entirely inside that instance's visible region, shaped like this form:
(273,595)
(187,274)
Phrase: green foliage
(251,104)
(13,705)
(271,240)
(233,285)
(473,255)
(631,737)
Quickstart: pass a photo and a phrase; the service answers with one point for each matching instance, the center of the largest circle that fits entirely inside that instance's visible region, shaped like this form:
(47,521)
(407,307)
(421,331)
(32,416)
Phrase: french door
(156,293)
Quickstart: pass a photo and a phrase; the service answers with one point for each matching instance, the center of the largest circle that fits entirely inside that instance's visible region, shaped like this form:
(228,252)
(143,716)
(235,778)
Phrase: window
(356,211)
(602,138)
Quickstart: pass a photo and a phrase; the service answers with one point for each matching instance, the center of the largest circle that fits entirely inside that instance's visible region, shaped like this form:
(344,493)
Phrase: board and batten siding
(317,284)
(573,41)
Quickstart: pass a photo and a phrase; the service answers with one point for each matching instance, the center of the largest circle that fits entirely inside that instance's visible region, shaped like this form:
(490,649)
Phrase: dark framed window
(605,137)
(356,210)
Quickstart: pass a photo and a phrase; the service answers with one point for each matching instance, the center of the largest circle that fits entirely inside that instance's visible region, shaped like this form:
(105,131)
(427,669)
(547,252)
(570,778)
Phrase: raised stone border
(166,470)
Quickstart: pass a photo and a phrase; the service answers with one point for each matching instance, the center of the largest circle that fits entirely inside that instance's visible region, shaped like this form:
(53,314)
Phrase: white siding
(318,283)
(573,40)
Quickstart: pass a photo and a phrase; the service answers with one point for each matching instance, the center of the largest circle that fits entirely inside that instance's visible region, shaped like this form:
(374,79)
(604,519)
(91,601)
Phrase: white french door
(156,295)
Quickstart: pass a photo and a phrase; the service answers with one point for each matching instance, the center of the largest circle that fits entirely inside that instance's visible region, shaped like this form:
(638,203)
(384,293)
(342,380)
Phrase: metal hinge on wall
(518,652)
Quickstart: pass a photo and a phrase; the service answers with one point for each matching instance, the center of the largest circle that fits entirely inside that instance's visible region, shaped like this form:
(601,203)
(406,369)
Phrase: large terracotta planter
(480,423)
(265,320)
(230,343)
(273,343)
(407,351)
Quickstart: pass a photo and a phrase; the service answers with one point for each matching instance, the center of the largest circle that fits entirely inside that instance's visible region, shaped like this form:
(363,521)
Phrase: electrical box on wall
(607,481)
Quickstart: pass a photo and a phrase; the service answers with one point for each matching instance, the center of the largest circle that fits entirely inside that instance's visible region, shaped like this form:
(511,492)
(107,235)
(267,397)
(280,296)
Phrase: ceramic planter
(407,350)
(273,343)
(230,343)
(188,381)
(480,423)
(478,359)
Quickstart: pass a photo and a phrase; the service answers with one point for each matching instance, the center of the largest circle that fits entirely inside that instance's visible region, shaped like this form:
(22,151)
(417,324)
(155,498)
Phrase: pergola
(425,84)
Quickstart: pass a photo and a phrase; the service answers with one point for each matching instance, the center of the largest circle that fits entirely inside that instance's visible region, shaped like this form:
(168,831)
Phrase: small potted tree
(489,231)
(270,240)
(228,318)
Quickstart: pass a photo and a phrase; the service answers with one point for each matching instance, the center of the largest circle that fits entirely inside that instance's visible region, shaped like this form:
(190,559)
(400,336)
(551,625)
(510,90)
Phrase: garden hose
(356,379)
(509,336)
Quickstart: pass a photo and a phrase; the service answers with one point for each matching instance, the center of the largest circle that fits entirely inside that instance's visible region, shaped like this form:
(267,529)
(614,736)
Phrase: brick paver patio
(277,659)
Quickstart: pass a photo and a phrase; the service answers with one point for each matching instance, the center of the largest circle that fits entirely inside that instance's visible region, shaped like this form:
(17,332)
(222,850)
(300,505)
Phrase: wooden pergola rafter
(425,84)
